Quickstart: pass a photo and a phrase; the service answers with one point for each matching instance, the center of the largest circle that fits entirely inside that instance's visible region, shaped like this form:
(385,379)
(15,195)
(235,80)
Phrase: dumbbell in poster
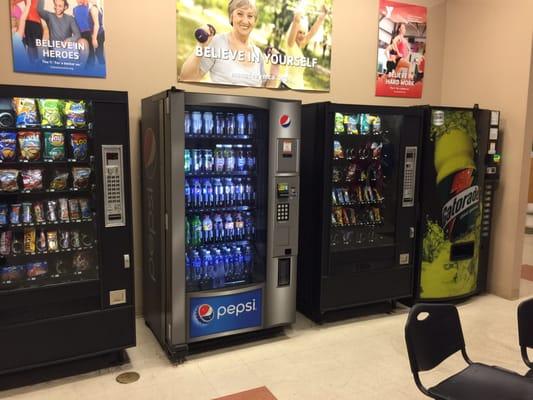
(64,37)
(401,49)
(283,44)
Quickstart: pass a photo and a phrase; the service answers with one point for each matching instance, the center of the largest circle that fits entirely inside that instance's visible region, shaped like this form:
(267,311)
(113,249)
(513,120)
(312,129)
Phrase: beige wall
(487,60)
(140,50)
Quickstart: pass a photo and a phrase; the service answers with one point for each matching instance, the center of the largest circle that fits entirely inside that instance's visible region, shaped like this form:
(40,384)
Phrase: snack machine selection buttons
(409,177)
(282,211)
(113,186)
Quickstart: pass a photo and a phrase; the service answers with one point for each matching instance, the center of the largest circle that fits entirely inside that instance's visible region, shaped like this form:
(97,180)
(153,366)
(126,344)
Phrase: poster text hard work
(401,49)
(64,37)
(283,44)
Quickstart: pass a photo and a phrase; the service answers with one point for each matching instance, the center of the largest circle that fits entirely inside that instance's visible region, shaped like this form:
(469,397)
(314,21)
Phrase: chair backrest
(525,323)
(432,340)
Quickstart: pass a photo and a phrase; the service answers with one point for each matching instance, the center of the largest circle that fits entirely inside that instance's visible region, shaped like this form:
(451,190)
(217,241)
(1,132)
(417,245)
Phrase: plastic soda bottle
(196,231)
(207,229)
(218,228)
(207,193)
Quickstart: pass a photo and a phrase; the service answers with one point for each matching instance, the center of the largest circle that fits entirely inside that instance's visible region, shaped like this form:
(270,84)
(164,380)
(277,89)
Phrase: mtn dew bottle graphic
(455,136)
(450,246)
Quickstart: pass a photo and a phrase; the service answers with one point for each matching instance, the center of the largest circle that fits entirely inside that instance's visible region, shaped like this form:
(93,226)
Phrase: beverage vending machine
(358,220)
(66,267)
(220,199)
(461,162)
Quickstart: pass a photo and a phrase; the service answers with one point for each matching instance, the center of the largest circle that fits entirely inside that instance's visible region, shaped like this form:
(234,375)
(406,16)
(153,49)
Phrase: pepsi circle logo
(204,313)
(285,121)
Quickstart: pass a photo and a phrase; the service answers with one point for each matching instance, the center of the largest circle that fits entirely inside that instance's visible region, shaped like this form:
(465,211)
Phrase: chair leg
(529,374)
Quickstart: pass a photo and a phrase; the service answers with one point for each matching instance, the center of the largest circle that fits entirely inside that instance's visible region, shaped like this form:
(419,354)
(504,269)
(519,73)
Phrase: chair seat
(479,381)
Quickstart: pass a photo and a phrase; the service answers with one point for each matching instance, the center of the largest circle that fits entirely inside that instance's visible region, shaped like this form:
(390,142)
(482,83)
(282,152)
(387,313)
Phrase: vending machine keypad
(282,212)
(113,186)
(409,177)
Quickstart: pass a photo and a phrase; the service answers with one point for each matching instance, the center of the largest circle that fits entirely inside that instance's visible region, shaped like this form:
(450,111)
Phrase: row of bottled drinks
(224,158)
(219,192)
(216,267)
(357,124)
(219,124)
(218,227)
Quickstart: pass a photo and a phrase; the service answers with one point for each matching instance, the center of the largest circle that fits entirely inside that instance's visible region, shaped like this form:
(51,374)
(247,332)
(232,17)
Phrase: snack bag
(80,177)
(59,180)
(3,214)
(8,146)
(75,113)
(51,214)
(38,212)
(63,210)
(14,214)
(74,207)
(26,112)
(54,146)
(337,149)
(50,110)
(9,180)
(85,208)
(30,145)
(51,238)
(79,144)
(32,179)
(29,241)
(37,269)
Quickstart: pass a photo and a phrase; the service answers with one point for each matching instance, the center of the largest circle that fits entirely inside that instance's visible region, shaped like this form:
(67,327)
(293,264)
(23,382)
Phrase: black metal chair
(433,339)
(525,331)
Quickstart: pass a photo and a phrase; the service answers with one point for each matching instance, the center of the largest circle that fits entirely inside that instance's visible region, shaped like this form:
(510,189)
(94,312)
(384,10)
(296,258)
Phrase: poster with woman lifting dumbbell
(282,44)
(65,37)
(401,49)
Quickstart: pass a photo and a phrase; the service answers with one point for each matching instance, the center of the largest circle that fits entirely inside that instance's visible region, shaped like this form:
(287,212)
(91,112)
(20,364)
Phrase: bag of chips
(12,273)
(74,208)
(51,238)
(9,180)
(32,179)
(85,208)
(79,144)
(30,145)
(75,113)
(29,241)
(37,269)
(54,146)
(59,180)
(26,112)
(50,110)
(3,214)
(8,146)
(80,177)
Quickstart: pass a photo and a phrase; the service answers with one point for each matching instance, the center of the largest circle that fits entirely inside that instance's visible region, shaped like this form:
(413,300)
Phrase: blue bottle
(250,160)
(238,263)
(238,191)
(241,161)
(249,227)
(248,260)
(188,197)
(196,123)
(187,123)
(230,124)
(188,269)
(238,222)
(241,124)
(228,264)
(187,232)
(196,160)
(250,122)
(208,123)
(218,189)
(208,159)
(229,192)
(218,263)
(207,267)
(249,194)
(220,123)
(207,229)
(207,193)
(196,193)
(196,263)
(229,227)
(218,228)
(187,161)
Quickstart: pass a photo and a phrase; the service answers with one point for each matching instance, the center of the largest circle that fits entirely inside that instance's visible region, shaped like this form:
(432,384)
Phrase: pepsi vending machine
(220,221)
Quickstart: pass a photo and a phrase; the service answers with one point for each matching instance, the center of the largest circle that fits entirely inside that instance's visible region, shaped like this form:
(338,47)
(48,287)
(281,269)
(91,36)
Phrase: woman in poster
(30,26)
(98,32)
(401,46)
(231,58)
(297,38)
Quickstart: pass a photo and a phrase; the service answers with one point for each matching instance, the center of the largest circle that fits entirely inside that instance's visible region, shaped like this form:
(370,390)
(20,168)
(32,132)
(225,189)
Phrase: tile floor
(361,358)
(354,359)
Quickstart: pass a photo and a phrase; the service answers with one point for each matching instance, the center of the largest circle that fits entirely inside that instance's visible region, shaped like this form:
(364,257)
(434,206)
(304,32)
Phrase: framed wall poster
(282,44)
(401,49)
(64,37)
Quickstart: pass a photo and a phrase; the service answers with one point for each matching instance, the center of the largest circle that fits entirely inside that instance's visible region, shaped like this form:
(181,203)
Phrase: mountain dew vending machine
(459,174)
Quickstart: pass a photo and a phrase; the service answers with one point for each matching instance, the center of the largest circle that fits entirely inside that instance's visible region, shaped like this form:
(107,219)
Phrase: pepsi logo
(285,121)
(204,313)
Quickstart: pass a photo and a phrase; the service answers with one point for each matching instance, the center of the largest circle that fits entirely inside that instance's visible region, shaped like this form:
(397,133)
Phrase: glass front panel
(224,197)
(47,210)
(364,181)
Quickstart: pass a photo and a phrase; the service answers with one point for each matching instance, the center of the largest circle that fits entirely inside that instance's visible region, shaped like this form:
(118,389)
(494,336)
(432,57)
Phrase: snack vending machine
(360,168)
(461,163)
(220,199)
(66,268)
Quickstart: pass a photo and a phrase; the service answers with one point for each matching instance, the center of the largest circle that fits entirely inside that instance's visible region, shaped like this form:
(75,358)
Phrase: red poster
(401,49)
